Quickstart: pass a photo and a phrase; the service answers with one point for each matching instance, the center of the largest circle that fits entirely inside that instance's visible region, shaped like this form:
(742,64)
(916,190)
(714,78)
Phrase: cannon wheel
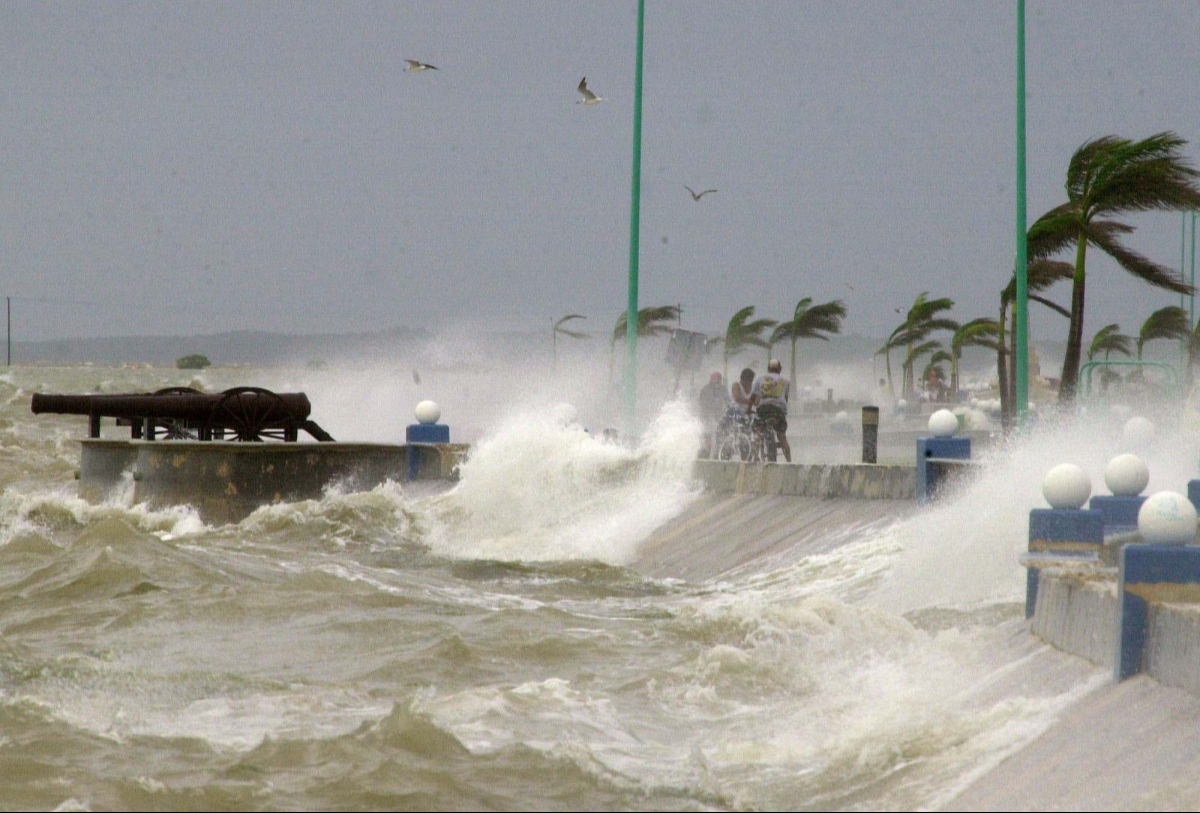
(173,429)
(252,414)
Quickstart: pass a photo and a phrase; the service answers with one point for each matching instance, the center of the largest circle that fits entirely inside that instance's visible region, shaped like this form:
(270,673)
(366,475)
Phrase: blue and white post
(1166,569)
(426,432)
(941,446)
(1065,529)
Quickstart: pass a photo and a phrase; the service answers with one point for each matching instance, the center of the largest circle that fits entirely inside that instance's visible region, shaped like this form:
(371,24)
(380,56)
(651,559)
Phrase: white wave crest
(537,490)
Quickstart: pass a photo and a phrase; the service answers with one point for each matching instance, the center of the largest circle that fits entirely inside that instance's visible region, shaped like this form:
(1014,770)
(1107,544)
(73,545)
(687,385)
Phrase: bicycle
(748,437)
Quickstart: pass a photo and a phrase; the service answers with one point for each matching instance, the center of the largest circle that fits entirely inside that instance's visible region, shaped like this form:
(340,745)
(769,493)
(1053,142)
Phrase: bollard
(1193,493)
(932,450)
(1060,532)
(1065,528)
(870,434)
(1166,570)
(427,431)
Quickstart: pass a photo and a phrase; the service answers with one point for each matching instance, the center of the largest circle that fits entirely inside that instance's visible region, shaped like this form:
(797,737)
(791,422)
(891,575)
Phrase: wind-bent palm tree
(743,332)
(922,320)
(559,329)
(652,321)
(1108,340)
(981,332)
(1108,176)
(1170,322)
(810,321)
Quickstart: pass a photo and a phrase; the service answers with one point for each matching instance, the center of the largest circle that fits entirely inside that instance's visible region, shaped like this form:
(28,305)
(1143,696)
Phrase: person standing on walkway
(770,395)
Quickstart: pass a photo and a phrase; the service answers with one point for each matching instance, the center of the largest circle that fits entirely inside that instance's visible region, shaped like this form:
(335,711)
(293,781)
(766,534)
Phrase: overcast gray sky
(269,165)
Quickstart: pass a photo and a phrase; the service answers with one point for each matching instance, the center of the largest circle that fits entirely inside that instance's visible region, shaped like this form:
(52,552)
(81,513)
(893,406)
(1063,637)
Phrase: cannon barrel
(185,407)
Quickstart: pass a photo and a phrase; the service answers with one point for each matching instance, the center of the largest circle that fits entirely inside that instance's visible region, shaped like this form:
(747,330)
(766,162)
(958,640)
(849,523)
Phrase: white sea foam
(537,490)
(963,550)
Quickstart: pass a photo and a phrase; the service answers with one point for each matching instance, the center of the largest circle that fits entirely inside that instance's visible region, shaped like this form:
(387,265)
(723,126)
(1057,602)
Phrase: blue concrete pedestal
(932,449)
(1120,513)
(1060,532)
(1194,493)
(423,433)
(1150,573)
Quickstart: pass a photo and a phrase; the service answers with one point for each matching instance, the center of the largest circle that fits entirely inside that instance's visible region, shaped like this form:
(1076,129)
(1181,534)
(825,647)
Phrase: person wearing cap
(713,402)
(770,396)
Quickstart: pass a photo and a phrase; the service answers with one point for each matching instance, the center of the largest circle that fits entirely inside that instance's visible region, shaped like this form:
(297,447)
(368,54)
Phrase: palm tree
(1105,177)
(1170,322)
(1109,339)
(981,332)
(810,321)
(743,332)
(922,320)
(652,321)
(559,329)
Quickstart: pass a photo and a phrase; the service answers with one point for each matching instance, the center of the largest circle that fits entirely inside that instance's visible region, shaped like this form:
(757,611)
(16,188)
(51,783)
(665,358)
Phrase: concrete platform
(226,482)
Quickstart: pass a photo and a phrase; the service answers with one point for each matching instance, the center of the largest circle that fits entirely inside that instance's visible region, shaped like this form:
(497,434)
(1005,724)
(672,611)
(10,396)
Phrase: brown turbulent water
(486,648)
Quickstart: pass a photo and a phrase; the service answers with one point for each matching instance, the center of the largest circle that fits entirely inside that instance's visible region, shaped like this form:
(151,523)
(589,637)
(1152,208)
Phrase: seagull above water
(695,196)
(414,65)
(588,96)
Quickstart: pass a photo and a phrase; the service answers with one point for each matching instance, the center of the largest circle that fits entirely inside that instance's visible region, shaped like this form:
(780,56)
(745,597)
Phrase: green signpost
(631,313)
(1022,270)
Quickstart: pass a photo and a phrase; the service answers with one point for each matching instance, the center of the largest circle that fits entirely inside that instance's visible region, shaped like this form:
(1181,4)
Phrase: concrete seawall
(851,481)
(1078,613)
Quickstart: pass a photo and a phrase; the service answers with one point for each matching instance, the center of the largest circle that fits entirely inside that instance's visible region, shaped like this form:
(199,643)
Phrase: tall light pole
(631,313)
(1022,270)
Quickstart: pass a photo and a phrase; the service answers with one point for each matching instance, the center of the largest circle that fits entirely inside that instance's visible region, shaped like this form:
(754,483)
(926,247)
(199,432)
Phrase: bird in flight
(417,67)
(698,196)
(588,96)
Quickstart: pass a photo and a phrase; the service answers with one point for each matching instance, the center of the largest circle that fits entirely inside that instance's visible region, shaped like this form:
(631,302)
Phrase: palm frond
(562,331)
(1170,322)
(744,332)
(1139,176)
(1052,232)
(652,321)
(975,333)
(1106,239)
(1108,340)
(1054,306)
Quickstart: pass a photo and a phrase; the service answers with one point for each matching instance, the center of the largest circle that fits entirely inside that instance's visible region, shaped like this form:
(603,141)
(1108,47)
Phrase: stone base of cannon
(227,481)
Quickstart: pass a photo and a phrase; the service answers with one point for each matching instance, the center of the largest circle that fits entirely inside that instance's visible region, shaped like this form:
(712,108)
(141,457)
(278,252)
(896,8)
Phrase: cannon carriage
(244,414)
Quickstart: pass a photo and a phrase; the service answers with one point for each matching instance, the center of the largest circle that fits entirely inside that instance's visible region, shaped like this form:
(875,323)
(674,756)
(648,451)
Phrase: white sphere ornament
(902,404)
(1138,433)
(428,412)
(1126,475)
(1066,486)
(841,419)
(943,424)
(1167,518)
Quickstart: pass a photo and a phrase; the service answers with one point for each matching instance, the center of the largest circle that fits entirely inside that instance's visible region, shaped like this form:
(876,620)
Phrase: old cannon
(182,413)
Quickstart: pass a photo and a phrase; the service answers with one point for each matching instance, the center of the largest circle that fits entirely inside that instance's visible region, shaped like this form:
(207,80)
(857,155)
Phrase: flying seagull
(694,195)
(588,96)
(417,67)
